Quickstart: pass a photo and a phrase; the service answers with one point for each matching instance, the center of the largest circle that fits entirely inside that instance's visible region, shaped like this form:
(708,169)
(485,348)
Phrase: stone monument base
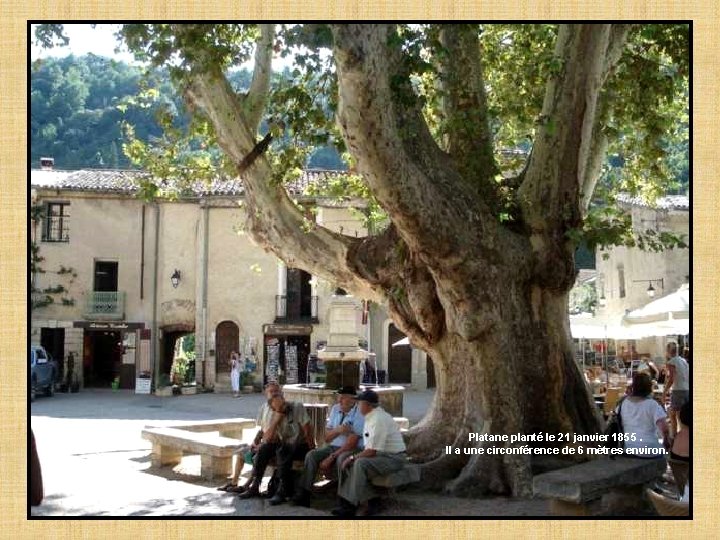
(391,396)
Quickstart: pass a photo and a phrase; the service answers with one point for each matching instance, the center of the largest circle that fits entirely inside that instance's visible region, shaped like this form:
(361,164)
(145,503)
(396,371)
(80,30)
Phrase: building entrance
(286,358)
(399,358)
(102,357)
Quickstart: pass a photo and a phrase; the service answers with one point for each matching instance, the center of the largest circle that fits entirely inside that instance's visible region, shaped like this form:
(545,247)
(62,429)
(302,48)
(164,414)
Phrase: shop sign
(112,326)
(287,329)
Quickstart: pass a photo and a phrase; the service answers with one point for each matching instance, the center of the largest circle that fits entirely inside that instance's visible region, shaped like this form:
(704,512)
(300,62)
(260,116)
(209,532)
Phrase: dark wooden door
(293,293)
(299,294)
(227,340)
(399,358)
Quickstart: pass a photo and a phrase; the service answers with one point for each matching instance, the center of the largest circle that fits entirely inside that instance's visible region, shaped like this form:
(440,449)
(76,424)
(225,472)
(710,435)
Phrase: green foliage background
(78,106)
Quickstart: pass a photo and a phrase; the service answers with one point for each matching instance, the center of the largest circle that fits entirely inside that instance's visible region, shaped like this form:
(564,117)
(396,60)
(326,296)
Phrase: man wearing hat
(383,454)
(343,435)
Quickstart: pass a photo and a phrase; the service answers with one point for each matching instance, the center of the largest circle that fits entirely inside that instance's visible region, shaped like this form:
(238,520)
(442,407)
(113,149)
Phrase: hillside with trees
(78,106)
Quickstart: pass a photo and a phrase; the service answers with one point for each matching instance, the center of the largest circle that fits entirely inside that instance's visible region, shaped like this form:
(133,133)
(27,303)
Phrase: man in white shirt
(679,381)
(384,453)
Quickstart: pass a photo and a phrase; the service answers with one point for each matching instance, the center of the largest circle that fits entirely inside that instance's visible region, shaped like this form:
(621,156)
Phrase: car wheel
(50,390)
(33,391)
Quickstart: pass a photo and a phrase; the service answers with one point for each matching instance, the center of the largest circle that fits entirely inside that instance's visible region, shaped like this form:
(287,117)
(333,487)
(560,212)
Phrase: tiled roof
(586,276)
(125,181)
(669,202)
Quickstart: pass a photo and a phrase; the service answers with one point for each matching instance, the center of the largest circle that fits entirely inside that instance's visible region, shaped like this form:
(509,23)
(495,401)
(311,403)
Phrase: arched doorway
(227,340)
(399,358)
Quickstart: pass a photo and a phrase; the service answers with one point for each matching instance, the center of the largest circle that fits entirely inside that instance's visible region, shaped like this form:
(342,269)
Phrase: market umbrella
(665,316)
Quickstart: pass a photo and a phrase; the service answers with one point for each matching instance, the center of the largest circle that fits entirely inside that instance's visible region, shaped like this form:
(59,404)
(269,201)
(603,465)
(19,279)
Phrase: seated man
(264,418)
(384,453)
(343,435)
(289,437)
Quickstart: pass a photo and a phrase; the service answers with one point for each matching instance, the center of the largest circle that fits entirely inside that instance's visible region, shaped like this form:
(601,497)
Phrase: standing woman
(643,419)
(235,373)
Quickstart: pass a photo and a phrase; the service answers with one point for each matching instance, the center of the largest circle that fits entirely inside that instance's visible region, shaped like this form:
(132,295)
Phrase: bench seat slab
(588,481)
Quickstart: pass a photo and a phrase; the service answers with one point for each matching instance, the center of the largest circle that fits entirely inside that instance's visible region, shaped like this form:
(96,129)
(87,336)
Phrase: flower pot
(163,391)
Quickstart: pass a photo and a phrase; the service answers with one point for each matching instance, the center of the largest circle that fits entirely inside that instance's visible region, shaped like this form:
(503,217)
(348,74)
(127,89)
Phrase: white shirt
(264,416)
(381,432)
(640,418)
(681,381)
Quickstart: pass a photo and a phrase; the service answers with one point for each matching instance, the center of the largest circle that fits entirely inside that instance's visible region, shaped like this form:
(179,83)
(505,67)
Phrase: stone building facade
(127,278)
(626,276)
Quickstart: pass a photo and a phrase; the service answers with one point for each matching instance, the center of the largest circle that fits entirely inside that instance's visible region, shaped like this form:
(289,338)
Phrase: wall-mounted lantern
(175,278)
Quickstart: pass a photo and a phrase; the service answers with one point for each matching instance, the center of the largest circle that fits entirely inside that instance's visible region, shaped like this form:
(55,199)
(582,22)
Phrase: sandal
(236,489)
(226,487)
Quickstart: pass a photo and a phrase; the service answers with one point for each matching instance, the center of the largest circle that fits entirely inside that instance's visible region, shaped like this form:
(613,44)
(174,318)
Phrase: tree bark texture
(489,304)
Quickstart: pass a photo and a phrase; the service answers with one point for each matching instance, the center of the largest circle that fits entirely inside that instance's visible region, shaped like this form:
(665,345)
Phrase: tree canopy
(483,149)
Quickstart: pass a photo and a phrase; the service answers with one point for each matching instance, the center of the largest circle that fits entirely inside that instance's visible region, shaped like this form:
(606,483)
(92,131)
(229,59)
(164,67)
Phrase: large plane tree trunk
(486,299)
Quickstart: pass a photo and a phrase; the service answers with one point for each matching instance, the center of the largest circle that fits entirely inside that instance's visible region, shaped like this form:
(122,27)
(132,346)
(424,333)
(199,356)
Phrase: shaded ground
(96,464)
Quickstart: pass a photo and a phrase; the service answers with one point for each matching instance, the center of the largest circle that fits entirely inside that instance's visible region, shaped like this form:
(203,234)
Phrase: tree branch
(257,95)
(448,230)
(565,152)
(413,180)
(465,107)
(385,261)
(616,46)
(272,218)
(598,147)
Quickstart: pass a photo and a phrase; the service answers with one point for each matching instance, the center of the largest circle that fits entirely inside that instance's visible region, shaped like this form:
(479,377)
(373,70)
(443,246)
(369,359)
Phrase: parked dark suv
(43,372)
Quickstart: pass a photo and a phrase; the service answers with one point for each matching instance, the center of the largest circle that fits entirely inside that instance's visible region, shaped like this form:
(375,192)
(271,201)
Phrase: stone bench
(409,474)
(574,490)
(169,444)
(231,427)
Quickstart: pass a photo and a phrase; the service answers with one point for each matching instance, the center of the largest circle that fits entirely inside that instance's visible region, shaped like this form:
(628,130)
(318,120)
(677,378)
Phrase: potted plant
(163,387)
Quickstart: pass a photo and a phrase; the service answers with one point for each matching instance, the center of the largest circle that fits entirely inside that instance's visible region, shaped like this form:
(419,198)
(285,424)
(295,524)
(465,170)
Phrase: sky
(101,41)
(84,39)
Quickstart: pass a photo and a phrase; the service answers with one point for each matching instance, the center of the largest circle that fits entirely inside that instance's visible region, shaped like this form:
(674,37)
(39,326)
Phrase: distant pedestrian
(235,367)
(678,380)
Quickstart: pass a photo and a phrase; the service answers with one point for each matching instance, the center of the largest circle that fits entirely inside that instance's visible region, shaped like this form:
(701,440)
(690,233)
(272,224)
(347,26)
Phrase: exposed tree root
(427,442)
(493,474)
(435,474)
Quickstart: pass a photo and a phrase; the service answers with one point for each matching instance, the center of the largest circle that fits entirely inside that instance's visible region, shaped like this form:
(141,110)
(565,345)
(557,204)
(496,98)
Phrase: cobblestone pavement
(95,462)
